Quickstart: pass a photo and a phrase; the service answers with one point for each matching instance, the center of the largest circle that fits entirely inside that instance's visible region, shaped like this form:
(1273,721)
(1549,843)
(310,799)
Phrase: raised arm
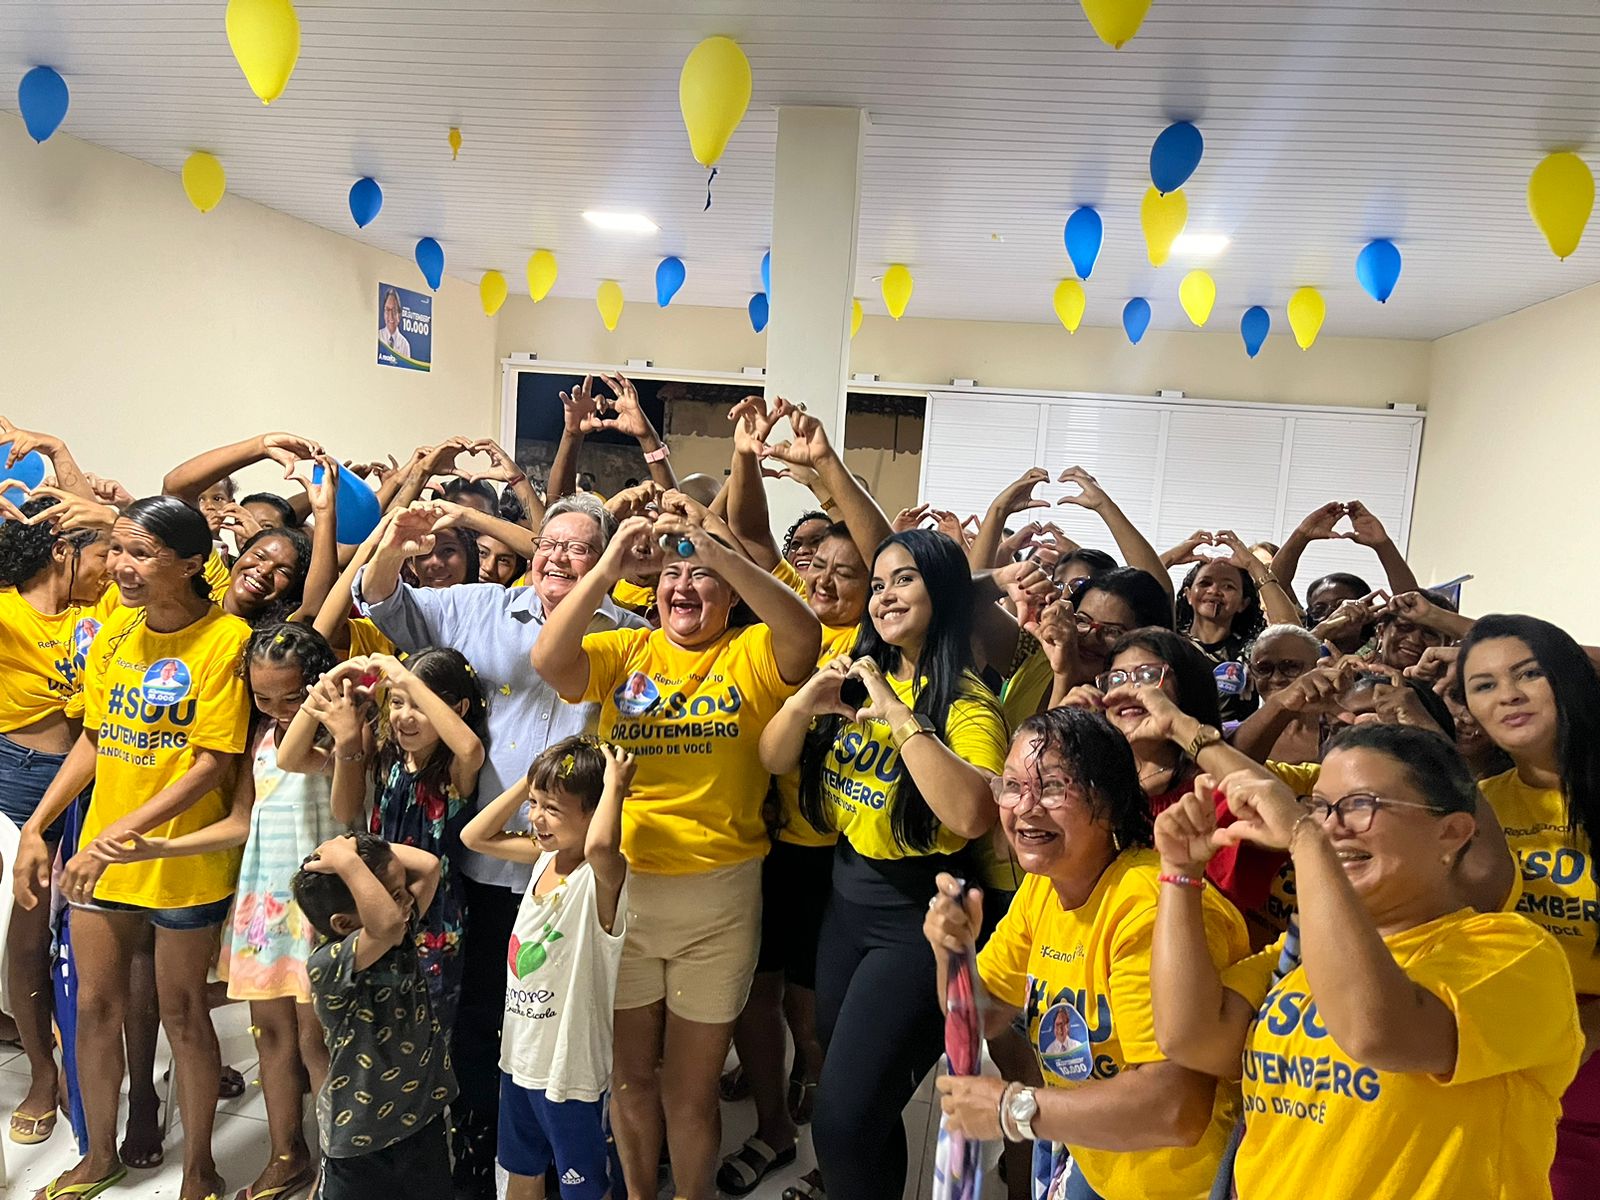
(746,489)
(504,469)
(188,479)
(1368,531)
(447,515)
(383,924)
(785,735)
(339,703)
(1275,599)
(1013,498)
(577,418)
(809,448)
(333,617)
(1136,549)
(487,834)
(323,574)
(628,417)
(466,748)
(602,847)
(558,653)
(69,478)
(1317,526)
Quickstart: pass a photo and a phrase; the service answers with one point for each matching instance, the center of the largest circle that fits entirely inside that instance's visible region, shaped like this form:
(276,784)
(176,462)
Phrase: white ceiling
(1327,122)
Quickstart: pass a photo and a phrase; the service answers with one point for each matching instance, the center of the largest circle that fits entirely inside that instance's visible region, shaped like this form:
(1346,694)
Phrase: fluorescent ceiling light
(621,222)
(1200,245)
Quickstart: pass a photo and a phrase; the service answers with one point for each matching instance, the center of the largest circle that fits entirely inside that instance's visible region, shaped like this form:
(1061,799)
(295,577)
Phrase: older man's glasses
(577,551)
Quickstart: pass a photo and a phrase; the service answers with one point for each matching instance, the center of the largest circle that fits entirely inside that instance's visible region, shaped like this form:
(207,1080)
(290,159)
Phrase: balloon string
(709,178)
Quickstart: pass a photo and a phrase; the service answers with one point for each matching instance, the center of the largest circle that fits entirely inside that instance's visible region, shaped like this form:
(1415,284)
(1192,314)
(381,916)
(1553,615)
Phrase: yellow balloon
(1070,301)
(855,317)
(1116,21)
(897,287)
(204,180)
(265,37)
(1560,197)
(1306,312)
(541,274)
(1197,293)
(713,92)
(609,300)
(455,142)
(492,291)
(1163,219)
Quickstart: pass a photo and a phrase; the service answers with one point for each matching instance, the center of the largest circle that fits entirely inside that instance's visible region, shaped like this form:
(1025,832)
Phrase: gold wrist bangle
(1294,833)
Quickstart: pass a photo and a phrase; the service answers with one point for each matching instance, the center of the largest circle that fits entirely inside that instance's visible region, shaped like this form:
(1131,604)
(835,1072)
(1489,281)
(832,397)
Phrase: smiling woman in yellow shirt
(1396,1044)
(165,712)
(689,700)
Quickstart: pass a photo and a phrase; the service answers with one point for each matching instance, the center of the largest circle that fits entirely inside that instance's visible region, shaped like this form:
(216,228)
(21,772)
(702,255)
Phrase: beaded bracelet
(1188,881)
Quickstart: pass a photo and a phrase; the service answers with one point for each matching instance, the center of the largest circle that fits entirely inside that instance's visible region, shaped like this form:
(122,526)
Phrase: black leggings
(880,1023)
(491,911)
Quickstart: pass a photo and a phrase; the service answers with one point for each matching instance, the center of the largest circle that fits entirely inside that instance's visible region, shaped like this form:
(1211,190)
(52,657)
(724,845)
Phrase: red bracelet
(1188,881)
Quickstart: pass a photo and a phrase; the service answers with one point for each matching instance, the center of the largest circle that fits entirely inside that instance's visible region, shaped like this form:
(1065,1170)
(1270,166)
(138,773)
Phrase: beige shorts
(692,941)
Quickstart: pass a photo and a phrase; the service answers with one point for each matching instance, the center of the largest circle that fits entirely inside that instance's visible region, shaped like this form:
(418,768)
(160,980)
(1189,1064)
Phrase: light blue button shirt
(495,627)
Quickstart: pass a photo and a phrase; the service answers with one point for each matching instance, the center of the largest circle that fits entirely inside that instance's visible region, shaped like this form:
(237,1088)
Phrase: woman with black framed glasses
(1394,1042)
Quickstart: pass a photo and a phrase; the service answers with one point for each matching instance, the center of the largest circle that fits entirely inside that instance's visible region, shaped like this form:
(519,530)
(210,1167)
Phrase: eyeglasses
(576,550)
(1088,625)
(1144,673)
(1355,811)
(1050,794)
(1289,667)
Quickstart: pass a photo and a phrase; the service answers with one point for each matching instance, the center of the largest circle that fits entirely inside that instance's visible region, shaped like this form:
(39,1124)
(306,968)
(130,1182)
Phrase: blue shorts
(24,776)
(534,1132)
(195,916)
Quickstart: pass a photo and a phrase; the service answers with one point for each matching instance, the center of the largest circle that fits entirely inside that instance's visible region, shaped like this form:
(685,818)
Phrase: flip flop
(55,1189)
(39,1127)
(809,1188)
(283,1190)
(747,1166)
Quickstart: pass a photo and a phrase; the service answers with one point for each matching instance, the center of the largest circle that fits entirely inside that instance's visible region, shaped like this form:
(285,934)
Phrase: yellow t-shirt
(793,827)
(694,720)
(786,574)
(1082,981)
(218,575)
(41,658)
(862,767)
(151,700)
(367,638)
(1321,1126)
(640,599)
(1557,869)
(1028,688)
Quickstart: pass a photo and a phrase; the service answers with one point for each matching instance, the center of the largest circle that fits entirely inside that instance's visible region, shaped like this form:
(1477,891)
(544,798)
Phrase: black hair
(809,515)
(1191,670)
(285,510)
(1340,579)
(323,895)
(1139,590)
(287,603)
(1433,765)
(445,672)
(1247,622)
(1576,689)
(574,765)
(942,674)
(1099,760)
(521,564)
(178,526)
(455,488)
(1432,703)
(1098,561)
(25,549)
(290,643)
(510,508)
(467,539)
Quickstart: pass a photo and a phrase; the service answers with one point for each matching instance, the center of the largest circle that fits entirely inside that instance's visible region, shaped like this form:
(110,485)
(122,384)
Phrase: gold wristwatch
(909,728)
(1206,735)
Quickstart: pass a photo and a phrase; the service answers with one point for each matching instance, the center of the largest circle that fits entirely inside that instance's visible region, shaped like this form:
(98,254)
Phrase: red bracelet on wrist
(1188,881)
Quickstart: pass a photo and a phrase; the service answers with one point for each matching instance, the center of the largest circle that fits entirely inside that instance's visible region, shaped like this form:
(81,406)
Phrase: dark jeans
(415,1166)
(490,913)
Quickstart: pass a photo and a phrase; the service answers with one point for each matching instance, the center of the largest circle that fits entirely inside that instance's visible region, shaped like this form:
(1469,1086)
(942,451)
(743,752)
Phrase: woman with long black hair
(905,778)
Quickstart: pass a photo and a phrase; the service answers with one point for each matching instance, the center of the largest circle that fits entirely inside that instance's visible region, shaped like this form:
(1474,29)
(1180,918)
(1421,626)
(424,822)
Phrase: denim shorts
(196,916)
(24,776)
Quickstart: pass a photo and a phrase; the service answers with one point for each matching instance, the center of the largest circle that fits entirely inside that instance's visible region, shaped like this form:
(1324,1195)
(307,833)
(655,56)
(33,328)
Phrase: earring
(1116,842)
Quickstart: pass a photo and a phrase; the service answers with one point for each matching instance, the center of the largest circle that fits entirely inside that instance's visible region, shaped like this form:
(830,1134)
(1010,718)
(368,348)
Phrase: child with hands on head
(565,951)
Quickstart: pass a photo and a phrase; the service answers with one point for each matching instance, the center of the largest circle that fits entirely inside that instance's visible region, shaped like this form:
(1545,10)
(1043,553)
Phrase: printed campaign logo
(82,635)
(166,682)
(405,328)
(636,695)
(1230,678)
(1064,1043)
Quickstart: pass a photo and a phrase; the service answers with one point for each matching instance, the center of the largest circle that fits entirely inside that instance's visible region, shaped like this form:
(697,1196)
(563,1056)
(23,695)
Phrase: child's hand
(332,854)
(620,766)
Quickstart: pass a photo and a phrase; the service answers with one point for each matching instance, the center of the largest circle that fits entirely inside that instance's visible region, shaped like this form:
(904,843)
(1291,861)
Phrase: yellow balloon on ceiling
(541,274)
(609,300)
(204,180)
(1070,301)
(265,38)
(713,93)
(1163,219)
(455,142)
(897,285)
(1197,293)
(492,291)
(1306,312)
(1560,197)
(1116,21)
(855,317)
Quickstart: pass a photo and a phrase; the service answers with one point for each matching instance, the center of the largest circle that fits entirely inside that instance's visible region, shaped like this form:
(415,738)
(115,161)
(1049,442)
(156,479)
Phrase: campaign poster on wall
(405,328)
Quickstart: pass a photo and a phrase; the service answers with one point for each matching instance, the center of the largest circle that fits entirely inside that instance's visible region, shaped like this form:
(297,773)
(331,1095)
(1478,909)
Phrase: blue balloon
(1378,268)
(1083,235)
(356,507)
(366,199)
(766,272)
(1253,328)
(29,471)
(430,258)
(1175,156)
(670,275)
(1136,318)
(42,97)
(758,311)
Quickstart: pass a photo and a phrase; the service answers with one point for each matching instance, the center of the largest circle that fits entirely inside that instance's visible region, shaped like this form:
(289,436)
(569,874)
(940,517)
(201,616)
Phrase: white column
(816,206)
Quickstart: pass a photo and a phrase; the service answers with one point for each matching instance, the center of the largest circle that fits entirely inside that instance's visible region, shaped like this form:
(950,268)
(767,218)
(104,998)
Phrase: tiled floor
(241,1135)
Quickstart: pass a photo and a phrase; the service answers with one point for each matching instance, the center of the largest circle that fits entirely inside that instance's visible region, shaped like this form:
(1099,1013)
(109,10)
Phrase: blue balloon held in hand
(366,199)
(1378,268)
(766,272)
(42,98)
(1175,155)
(356,509)
(1083,236)
(29,471)
(670,274)
(1136,318)
(758,311)
(1253,328)
(430,259)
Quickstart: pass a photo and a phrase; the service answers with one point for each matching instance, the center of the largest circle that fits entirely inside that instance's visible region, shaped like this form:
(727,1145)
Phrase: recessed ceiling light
(621,222)
(1200,245)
